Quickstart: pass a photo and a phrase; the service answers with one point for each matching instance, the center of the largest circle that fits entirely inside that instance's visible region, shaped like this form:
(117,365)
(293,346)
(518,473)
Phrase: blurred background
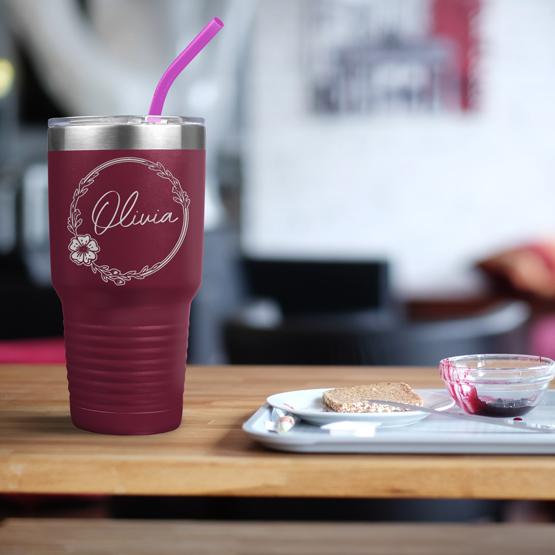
(379,189)
(379,171)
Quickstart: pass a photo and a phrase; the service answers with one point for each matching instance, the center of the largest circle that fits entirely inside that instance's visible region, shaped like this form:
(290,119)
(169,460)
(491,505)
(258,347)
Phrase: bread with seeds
(359,397)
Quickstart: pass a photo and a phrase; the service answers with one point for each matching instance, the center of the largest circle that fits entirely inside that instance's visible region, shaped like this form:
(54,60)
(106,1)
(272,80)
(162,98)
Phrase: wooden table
(104,537)
(41,452)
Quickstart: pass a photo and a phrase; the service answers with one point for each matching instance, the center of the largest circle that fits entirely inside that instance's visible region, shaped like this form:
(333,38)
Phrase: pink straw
(180,63)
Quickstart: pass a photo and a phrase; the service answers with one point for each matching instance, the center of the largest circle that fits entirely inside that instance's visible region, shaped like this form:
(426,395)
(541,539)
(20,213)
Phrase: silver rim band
(125,133)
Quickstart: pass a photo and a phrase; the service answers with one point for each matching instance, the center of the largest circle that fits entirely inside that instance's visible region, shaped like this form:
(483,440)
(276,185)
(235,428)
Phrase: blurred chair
(321,286)
(260,334)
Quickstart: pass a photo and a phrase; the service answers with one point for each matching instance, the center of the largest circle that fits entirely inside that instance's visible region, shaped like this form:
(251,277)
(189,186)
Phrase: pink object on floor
(33,351)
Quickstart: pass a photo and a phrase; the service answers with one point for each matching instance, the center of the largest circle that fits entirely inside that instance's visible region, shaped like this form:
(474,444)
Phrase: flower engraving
(83,249)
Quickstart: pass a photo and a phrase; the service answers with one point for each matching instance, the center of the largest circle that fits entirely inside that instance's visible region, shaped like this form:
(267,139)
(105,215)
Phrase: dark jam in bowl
(501,408)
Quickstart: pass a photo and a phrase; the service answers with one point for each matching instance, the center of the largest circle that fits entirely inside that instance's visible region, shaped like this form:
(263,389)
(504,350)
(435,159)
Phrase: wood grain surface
(107,537)
(41,452)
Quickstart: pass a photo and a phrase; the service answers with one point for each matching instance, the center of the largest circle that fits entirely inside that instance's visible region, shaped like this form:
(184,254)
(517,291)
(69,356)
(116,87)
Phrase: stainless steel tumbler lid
(126,133)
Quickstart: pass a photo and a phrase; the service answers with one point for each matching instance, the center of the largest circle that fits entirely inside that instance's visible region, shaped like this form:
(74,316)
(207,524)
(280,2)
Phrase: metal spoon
(514,424)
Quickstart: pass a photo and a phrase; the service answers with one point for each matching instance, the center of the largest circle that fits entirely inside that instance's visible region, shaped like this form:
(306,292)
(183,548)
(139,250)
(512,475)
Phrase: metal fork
(514,424)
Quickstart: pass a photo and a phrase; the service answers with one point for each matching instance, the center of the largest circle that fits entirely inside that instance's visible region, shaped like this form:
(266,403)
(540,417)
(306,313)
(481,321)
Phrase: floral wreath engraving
(84,249)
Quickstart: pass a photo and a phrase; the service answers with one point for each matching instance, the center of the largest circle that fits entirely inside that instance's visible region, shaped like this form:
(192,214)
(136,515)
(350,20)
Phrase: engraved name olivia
(110,212)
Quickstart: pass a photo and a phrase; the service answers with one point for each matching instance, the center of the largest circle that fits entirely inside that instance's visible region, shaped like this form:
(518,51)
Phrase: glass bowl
(497,385)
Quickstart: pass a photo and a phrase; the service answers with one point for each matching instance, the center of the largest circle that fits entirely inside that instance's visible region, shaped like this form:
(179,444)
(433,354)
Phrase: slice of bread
(359,397)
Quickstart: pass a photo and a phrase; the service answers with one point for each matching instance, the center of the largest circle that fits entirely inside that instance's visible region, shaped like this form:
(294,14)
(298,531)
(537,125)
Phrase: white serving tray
(435,434)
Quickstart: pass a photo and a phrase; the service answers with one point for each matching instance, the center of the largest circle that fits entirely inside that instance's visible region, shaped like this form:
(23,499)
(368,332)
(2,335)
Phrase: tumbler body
(126,213)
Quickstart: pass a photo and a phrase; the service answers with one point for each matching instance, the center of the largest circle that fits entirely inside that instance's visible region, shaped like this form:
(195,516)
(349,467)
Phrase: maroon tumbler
(126,203)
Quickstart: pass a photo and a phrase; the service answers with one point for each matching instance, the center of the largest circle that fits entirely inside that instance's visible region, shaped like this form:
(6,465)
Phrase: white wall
(432,194)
